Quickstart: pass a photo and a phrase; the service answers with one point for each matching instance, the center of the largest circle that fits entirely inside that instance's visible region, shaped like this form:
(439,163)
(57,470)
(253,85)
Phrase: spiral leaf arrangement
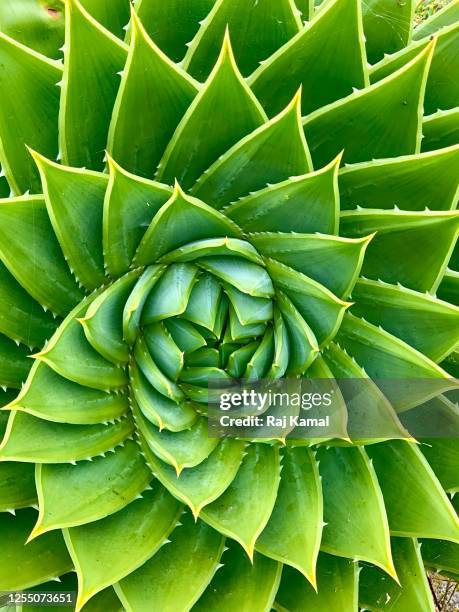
(258,203)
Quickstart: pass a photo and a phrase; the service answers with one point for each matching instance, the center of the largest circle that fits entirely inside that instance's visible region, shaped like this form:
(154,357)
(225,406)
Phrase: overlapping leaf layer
(222,190)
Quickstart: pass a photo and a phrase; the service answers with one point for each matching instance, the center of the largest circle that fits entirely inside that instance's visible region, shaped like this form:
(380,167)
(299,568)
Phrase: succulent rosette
(259,203)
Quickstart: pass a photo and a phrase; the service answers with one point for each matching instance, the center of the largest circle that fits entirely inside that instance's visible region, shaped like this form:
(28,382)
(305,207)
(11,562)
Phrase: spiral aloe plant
(226,190)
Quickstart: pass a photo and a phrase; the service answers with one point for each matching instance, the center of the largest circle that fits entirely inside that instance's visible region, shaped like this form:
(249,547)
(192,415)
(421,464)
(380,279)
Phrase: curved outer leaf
(224,111)
(427,324)
(392,255)
(201,485)
(21,317)
(41,560)
(99,549)
(257,32)
(34,440)
(186,567)
(242,585)
(330,260)
(376,135)
(440,129)
(270,154)
(30,251)
(308,203)
(234,513)
(17,486)
(411,182)
(440,555)
(322,310)
(354,510)
(338,589)
(388,26)
(74,200)
(93,56)
(334,40)
(294,530)
(377,593)
(441,91)
(171,24)
(181,220)
(113,16)
(95,489)
(148,75)
(129,206)
(70,355)
(28,112)
(417,506)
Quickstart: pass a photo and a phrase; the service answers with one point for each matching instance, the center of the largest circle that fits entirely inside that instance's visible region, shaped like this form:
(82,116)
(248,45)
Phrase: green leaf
(38,441)
(181,220)
(232,247)
(70,355)
(185,335)
(153,96)
(327,57)
(321,310)
(49,396)
(114,15)
(242,585)
(185,449)
(443,456)
(389,112)
(281,357)
(17,486)
(356,521)
(204,302)
(129,206)
(338,589)
(440,555)
(98,549)
(260,362)
(239,358)
(153,374)
(409,182)
(387,25)
(244,275)
(95,489)
(249,309)
(74,199)
(41,560)
(303,346)
(294,530)
(163,350)
(30,251)
(385,357)
(379,594)
(330,260)
(171,24)
(14,363)
(270,154)
(157,408)
(440,129)
(234,513)
(224,111)
(449,287)
(204,357)
(241,333)
(392,255)
(169,297)
(199,486)
(257,32)
(21,317)
(306,8)
(103,321)
(134,304)
(440,93)
(427,324)
(417,505)
(93,57)
(445,16)
(308,203)
(28,113)
(186,567)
